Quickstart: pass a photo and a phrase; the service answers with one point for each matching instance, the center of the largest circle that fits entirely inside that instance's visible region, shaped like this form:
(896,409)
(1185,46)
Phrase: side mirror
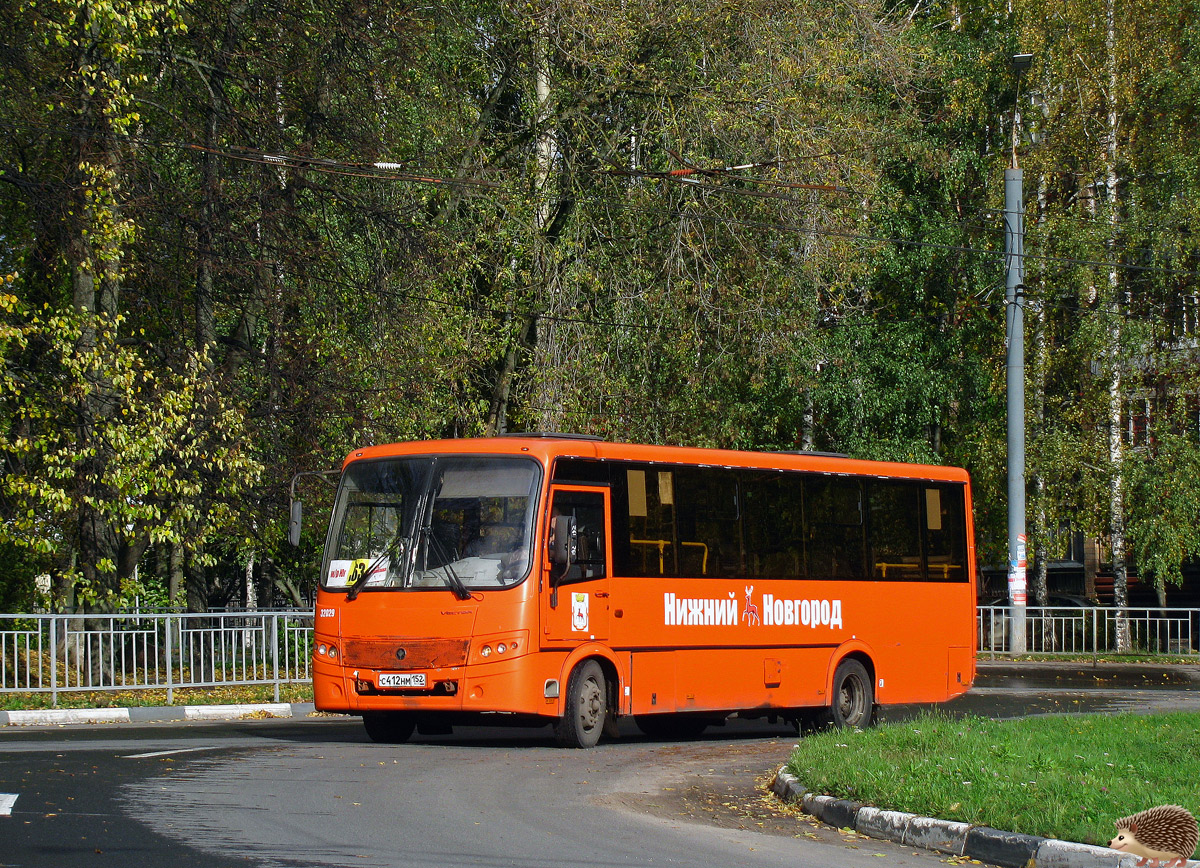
(566,540)
(295,523)
(297,508)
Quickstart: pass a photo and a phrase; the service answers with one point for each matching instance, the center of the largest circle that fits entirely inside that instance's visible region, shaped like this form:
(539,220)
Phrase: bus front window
(453,521)
(480,523)
(374,521)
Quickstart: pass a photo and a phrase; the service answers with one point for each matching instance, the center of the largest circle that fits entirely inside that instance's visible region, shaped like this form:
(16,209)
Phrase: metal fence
(1092,630)
(150,650)
(140,651)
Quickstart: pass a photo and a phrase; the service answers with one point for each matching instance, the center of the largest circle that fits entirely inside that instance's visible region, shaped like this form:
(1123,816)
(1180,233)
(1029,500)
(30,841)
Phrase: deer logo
(750,613)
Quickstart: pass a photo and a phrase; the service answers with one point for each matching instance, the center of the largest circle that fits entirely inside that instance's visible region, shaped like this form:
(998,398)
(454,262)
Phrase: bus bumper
(516,685)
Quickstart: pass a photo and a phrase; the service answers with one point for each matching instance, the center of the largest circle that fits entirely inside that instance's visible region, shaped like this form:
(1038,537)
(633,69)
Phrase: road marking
(165,752)
(7,800)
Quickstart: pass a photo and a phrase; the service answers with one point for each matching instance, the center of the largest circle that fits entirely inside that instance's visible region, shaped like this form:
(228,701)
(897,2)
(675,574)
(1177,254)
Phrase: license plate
(402,679)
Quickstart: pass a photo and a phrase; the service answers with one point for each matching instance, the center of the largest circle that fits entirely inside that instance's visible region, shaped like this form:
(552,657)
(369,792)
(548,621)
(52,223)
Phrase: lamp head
(1021,62)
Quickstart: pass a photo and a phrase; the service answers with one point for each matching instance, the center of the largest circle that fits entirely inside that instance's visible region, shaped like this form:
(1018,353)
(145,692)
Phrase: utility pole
(1014,296)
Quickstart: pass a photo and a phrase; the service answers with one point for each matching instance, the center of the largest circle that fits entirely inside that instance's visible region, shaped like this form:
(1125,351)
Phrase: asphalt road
(315,792)
(1004,690)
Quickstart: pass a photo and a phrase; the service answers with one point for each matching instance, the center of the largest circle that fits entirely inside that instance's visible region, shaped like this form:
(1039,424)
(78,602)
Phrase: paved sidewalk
(1083,672)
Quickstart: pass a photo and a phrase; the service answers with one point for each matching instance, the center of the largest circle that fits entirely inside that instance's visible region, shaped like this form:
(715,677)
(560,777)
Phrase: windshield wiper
(394,546)
(452,579)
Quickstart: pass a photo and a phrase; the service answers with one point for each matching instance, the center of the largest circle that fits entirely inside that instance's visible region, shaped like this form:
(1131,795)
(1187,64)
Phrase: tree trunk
(93,256)
(175,583)
(1040,360)
(251,586)
(548,398)
(196,584)
(497,421)
(1115,441)
(807,423)
(1041,521)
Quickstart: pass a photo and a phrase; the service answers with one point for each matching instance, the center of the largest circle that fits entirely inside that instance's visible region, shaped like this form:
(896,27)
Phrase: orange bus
(564,580)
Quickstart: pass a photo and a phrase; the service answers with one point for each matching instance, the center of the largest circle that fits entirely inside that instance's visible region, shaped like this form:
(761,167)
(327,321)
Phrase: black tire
(671,726)
(853,699)
(585,708)
(389,727)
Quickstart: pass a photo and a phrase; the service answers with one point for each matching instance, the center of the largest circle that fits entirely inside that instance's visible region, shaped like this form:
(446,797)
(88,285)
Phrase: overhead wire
(395,171)
(385,170)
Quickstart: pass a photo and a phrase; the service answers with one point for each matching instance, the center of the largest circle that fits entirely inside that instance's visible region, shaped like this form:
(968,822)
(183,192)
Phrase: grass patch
(1065,777)
(232,695)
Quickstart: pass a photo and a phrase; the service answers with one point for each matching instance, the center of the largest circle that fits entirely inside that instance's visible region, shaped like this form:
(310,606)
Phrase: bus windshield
(458,522)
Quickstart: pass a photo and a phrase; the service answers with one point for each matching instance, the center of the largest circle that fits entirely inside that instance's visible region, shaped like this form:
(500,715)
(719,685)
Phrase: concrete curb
(67,716)
(993,846)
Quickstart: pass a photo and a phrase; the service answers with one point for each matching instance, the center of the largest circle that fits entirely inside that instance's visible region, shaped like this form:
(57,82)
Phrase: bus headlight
(503,645)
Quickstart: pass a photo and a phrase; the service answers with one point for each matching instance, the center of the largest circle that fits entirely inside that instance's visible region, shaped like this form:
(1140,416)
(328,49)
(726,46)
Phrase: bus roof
(546,447)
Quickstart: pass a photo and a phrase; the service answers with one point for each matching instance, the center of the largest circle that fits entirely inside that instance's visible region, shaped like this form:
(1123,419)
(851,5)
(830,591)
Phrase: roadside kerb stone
(908,829)
(934,834)
(878,823)
(997,847)
(225,712)
(836,812)
(50,717)
(1068,854)
(151,714)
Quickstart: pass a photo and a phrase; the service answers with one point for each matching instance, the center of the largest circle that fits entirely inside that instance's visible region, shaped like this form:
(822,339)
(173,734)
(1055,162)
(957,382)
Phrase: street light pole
(1014,295)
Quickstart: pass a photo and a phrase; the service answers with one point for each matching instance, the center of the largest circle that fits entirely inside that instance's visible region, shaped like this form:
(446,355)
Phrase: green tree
(163,439)
(1115,178)
(1163,493)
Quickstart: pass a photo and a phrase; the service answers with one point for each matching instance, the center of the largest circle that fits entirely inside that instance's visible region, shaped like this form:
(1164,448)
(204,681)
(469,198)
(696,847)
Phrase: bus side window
(588,510)
(773,523)
(834,525)
(650,505)
(945,532)
(710,532)
(895,531)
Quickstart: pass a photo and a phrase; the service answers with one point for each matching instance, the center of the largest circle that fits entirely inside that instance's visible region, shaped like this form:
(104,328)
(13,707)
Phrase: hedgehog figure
(1162,836)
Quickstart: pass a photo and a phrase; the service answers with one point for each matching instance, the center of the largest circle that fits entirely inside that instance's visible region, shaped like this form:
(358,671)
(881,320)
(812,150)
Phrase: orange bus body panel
(711,644)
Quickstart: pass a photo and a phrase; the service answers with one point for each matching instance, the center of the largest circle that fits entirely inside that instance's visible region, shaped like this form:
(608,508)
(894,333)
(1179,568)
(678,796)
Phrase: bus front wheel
(853,699)
(585,708)
(388,727)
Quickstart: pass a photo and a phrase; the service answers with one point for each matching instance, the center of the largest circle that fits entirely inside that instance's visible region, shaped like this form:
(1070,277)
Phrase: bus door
(575,565)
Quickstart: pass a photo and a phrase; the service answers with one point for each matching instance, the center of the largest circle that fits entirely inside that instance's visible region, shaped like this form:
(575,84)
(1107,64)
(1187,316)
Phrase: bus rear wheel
(853,699)
(585,708)
(389,727)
